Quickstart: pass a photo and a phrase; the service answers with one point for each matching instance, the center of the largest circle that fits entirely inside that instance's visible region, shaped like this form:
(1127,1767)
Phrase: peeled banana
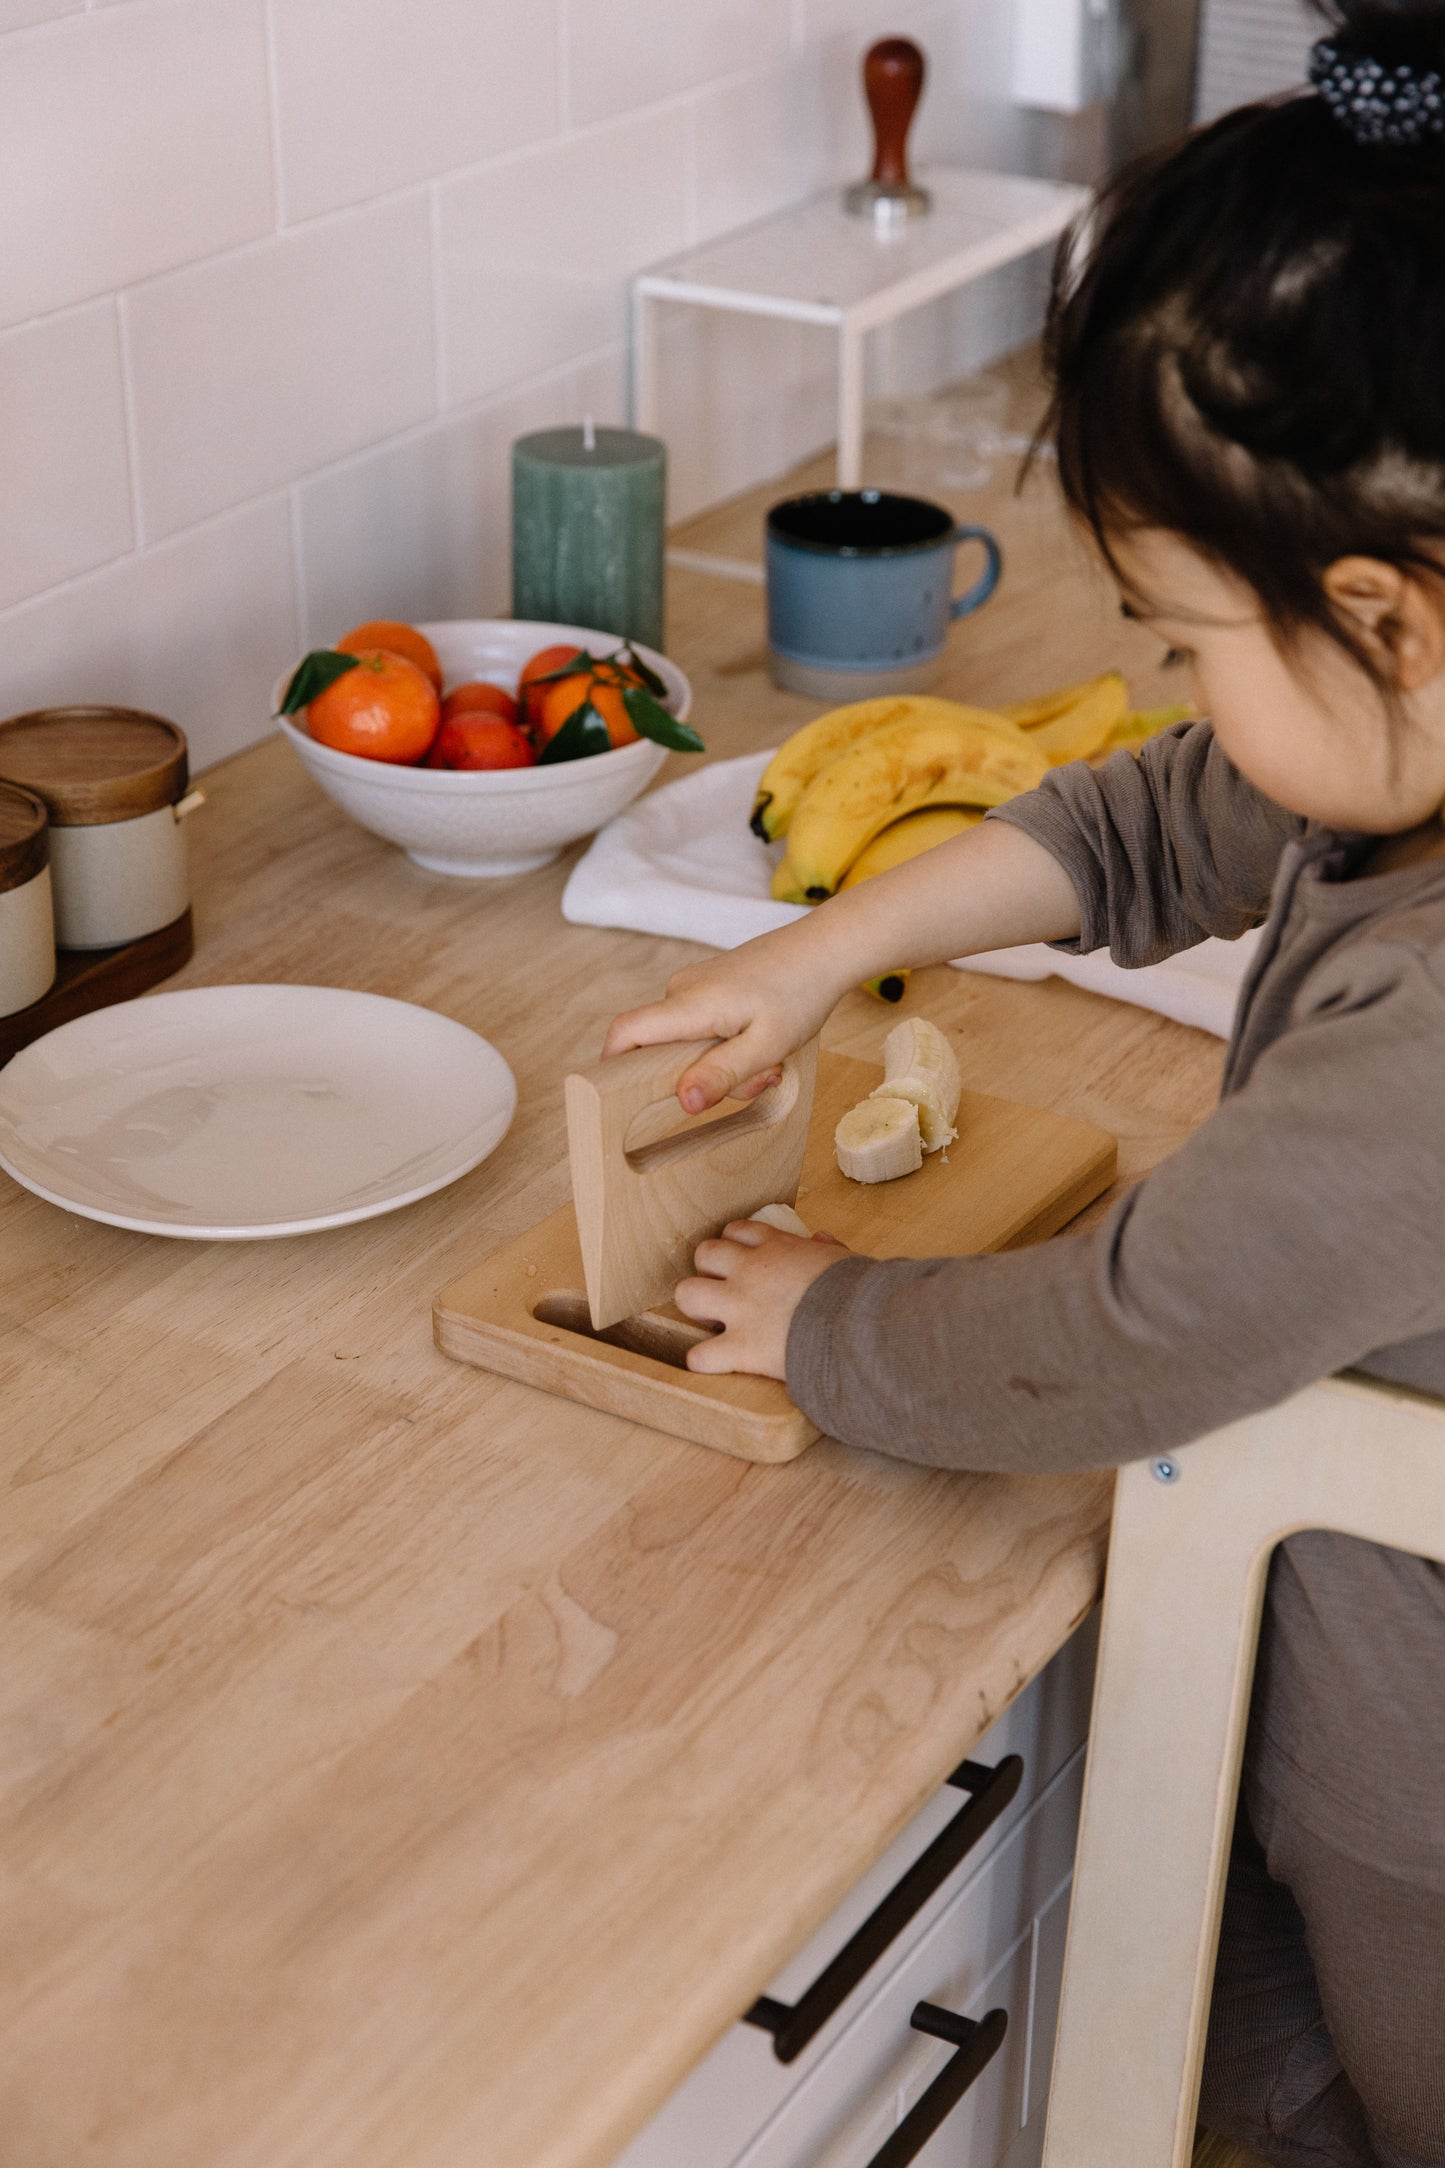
(896,770)
(878,1140)
(784,1218)
(919,1065)
(908,838)
(809,750)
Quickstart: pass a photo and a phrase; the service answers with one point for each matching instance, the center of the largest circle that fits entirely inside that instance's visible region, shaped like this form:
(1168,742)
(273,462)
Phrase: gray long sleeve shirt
(1299,1232)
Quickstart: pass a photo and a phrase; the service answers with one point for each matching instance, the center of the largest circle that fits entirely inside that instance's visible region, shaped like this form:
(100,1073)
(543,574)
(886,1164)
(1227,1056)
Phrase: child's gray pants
(1326,2044)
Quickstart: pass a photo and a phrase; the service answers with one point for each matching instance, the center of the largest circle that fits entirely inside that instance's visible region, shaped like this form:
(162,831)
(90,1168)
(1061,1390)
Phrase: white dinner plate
(226,1113)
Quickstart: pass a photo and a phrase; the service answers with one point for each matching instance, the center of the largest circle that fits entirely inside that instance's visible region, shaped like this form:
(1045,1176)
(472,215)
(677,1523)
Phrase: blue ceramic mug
(860,591)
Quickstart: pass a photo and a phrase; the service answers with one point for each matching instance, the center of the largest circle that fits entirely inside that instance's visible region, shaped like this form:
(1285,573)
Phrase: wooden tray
(1014,1176)
(94,978)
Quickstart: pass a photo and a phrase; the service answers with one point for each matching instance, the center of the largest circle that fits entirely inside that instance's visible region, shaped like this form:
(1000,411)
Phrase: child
(1248,360)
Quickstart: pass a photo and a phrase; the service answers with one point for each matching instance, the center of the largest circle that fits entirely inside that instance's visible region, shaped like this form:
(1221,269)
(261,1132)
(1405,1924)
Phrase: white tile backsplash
(422,529)
(250,370)
(628,53)
(134,139)
(536,252)
(771,139)
(16,14)
(65,500)
(374,94)
(280,280)
(196,630)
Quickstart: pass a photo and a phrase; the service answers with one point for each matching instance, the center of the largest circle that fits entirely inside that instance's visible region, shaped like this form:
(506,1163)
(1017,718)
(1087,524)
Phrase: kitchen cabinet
(991,1936)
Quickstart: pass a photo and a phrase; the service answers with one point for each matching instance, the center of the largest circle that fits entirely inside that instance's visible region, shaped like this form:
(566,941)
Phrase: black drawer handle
(977,2044)
(794,2024)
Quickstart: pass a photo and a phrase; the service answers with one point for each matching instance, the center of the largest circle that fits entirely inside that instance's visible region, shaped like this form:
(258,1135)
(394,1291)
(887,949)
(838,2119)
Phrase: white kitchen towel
(683,861)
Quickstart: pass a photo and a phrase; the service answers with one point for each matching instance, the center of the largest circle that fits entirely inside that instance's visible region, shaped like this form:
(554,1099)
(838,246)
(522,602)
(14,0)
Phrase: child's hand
(756,1000)
(751,1279)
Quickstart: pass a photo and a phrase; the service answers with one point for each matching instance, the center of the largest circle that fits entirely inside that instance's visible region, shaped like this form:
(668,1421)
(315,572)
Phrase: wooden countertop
(382,1744)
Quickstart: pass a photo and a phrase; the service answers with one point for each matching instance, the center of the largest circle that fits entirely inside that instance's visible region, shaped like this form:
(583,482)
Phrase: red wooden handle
(892,83)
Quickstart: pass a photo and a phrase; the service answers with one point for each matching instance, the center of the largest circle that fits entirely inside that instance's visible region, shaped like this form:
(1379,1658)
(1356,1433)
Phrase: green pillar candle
(587,530)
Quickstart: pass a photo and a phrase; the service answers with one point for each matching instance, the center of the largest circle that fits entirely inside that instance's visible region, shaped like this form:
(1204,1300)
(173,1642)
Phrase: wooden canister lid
(24,836)
(91,765)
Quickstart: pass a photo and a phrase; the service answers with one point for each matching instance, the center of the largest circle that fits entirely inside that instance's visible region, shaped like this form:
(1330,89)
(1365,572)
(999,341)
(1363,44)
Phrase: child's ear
(1400,617)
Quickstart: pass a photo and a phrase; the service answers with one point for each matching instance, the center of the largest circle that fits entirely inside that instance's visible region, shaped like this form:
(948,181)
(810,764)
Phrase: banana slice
(879,1139)
(784,1218)
(919,1065)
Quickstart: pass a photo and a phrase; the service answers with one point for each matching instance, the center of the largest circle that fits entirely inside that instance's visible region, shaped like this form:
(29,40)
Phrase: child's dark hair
(1247,342)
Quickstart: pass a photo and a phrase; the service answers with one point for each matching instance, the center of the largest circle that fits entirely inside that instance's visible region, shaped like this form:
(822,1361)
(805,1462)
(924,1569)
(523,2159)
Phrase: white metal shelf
(814,264)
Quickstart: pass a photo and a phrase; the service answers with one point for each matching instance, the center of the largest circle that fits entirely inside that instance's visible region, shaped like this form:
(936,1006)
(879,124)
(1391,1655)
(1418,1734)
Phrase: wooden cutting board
(1015,1175)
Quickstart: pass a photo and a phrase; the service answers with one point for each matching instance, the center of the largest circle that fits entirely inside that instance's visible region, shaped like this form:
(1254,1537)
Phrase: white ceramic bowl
(482,822)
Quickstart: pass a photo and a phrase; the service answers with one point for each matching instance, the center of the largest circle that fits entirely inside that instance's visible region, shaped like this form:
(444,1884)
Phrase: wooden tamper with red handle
(893,72)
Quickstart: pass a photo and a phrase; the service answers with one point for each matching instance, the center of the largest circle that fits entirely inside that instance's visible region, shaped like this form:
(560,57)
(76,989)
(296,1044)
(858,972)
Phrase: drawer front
(740,2086)
(976,1957)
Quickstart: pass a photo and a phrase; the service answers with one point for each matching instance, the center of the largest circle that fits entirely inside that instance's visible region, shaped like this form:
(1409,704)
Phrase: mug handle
(983,587)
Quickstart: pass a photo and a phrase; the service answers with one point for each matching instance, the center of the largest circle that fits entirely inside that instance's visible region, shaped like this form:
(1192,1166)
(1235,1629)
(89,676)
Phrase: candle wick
(589,434)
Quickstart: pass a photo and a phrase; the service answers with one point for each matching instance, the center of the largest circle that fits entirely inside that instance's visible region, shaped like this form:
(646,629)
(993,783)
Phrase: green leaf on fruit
(583,733)
(581,665)
(322,667)
(650,719)
(643,670)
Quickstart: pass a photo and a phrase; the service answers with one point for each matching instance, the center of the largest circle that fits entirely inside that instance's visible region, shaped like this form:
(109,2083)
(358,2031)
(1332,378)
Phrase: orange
(479,698)
(384,709)
(397,639)
(541,665)
(481,741)
(605,693)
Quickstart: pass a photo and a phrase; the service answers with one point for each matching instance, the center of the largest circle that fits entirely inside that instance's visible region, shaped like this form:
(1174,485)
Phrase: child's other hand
(758,1005)
(750,1281)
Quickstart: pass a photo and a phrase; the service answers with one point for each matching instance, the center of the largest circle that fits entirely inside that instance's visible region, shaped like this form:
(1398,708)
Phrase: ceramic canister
(27,929)
(114,782)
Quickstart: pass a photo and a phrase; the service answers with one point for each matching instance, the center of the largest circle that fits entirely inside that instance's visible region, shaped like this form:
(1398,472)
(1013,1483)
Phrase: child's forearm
(993,887)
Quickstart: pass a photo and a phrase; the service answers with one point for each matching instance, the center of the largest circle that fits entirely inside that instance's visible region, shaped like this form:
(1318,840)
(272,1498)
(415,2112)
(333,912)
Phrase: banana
(784,1218)
(919,1065)
(878,1140)
(896,770)
(1028,714)
(807,752)
(905,839)
(1085,727)
(1137,729)
(888,986)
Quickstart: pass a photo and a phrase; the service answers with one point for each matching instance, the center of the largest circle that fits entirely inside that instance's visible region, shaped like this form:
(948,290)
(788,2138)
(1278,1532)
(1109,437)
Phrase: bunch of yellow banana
(849,790)
(868,786)
(844,779)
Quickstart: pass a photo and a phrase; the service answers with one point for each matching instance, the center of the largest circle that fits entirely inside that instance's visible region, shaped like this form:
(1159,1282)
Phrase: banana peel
(888,986)
(808,751)
(899,769)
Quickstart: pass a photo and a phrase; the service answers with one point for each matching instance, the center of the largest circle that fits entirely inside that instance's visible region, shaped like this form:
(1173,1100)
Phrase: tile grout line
(273,100)
(132,434)
(298,569)
(440,382)
(564,68)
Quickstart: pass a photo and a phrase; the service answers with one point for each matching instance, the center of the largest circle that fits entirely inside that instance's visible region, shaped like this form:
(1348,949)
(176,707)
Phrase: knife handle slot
(645,1150)
(665,1339)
